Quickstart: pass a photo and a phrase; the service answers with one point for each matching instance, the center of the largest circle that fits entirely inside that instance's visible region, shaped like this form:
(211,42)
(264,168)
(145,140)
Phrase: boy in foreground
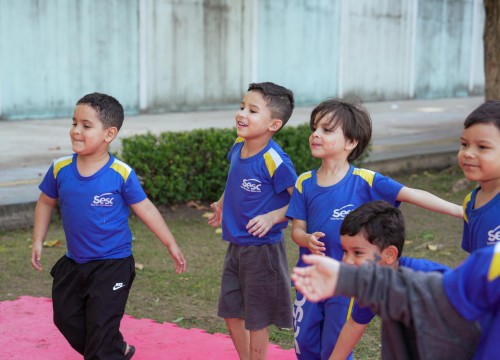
(373,233)
(424,315)
(255,285)
(95,190)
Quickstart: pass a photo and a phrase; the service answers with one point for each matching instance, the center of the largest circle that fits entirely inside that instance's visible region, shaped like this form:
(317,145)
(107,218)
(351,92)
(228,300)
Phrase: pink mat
(27,332)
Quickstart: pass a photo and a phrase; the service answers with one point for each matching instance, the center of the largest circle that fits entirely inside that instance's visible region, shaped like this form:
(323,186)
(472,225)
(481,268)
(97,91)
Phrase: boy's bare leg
(259,342)
(240,337)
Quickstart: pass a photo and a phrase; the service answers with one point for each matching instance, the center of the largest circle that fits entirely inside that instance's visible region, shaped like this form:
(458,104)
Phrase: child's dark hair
(380,222)
(109,110)
(279,99)
(354,119)
(486,113)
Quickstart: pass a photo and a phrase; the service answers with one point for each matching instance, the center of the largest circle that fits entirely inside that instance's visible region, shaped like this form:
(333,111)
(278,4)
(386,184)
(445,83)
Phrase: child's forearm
(152,218)
(43,214)
(347,340)
(426,200)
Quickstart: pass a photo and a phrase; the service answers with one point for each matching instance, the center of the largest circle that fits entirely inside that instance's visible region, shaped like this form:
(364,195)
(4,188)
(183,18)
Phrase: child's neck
(88,165)
(253,147)
(330,173)
(488,190)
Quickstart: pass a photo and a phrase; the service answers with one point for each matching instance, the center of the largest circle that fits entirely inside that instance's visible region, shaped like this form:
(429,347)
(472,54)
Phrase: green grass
(190,299)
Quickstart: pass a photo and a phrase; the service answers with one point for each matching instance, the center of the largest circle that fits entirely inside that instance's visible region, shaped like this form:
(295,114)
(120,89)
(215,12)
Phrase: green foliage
(176,167)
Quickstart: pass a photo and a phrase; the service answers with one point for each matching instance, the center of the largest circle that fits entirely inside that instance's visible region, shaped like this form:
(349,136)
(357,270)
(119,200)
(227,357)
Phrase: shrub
(176,167)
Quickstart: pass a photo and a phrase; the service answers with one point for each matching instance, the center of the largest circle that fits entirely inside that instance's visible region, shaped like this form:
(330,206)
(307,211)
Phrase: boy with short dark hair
(340,132)
(95,190)
(479,158)
(373,233)
(255,285)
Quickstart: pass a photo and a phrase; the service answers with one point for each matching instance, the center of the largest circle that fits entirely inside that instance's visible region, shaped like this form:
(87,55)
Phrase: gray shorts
(256,286)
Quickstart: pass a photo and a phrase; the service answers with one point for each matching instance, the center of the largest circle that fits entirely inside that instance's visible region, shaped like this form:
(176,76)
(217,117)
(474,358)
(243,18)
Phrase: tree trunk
(491,38)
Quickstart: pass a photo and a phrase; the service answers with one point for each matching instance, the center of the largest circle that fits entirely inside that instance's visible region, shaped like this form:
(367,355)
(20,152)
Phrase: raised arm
(426,200)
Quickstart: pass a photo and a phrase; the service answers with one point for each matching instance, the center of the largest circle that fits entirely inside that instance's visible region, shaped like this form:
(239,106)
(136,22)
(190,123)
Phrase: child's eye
(328,130)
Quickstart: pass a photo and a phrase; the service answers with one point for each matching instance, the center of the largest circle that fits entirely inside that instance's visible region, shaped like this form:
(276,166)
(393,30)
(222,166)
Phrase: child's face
(254,118)
(87,133)
(479,154)
(358,250)
(326,141)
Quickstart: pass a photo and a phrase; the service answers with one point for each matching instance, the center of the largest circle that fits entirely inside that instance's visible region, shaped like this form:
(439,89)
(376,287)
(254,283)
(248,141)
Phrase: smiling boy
(479,158)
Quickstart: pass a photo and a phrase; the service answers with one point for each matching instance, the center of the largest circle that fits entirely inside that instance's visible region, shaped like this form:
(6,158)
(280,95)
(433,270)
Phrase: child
(424,315)
(92,281)
(479,158)
(374,232)
(323,197)
(255,286)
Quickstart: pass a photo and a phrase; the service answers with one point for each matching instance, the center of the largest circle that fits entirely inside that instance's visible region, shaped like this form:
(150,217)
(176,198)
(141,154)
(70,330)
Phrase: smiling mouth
(240,124)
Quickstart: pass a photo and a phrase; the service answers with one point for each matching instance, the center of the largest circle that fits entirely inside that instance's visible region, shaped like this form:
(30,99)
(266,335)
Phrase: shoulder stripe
(273,161)
(121,168)
(301,179)
(494,270)
(239,139)
(61,162)
(466,202)
(367,175)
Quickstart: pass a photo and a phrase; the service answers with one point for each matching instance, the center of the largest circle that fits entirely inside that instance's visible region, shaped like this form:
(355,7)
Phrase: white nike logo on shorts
(118,286)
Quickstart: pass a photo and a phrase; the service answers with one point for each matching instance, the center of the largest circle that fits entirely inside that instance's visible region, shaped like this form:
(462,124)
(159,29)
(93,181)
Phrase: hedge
(176,167)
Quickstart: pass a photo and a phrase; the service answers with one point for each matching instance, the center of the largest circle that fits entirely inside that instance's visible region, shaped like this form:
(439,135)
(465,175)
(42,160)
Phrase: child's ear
(351,144)
(111,134)
(389,255)
(275,125)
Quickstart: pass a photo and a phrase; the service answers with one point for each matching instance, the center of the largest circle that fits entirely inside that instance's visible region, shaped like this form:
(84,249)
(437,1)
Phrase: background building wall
(179,55)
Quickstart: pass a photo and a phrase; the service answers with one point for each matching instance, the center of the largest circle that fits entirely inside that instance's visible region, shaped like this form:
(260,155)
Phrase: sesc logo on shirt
(251,185)
(341,213)
(103,200)
(494,236)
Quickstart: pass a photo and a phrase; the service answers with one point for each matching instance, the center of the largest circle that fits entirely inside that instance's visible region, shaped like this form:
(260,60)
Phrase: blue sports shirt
(255,186)
(474,290)
(481,226)
(363,315)
(324,208)
(94,209)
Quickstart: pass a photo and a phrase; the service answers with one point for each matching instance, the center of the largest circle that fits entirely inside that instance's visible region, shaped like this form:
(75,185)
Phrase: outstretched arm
(149,214)
(43,212)
(429,201)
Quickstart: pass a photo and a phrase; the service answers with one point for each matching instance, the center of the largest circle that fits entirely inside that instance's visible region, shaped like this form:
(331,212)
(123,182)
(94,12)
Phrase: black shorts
(256,286)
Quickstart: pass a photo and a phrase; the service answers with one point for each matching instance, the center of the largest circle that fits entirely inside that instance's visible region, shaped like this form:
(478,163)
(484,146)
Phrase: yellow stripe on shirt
(494,270)
(466,202)
(367,175)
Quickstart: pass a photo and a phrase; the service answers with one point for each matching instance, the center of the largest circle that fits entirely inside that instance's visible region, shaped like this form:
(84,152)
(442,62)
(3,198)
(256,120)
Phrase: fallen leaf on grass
(195,205)
(206,214)
(139,266)
(218,231)
(432,247)
(52,243)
